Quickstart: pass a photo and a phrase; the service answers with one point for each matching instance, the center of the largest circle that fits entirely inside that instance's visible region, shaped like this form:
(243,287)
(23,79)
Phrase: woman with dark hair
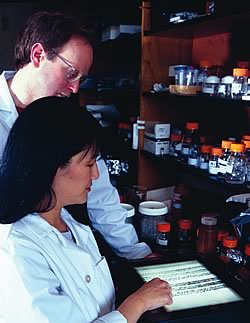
(51,268)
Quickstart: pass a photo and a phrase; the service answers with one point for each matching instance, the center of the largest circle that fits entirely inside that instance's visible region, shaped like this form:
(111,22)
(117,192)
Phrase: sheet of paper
(193,284)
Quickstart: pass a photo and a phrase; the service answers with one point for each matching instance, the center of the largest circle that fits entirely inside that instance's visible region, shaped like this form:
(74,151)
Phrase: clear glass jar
(222,161)
(151,213)
(181,74)
(163,229)
(204,157)
(236,165)
(213,164)
(239,85)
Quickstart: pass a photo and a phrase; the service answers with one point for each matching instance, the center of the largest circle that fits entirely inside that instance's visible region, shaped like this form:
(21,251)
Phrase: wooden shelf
(197,178)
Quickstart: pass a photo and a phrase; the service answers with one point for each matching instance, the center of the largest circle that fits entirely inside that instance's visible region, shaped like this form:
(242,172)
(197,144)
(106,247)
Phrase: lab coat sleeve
(108,217)
(30,292)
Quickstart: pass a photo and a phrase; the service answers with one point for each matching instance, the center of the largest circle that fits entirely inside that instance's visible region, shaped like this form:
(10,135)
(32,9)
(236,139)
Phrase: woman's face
(72,183)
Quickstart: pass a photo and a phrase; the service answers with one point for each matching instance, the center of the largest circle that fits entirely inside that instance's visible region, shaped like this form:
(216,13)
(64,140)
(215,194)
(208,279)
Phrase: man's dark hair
(52,30)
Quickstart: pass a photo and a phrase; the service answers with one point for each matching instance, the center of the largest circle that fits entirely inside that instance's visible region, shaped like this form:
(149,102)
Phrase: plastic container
(180,74)
(163,229)
(130,212)
(151,213)
(207,235)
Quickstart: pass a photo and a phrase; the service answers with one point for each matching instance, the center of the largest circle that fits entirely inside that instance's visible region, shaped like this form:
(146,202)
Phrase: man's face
(52,78)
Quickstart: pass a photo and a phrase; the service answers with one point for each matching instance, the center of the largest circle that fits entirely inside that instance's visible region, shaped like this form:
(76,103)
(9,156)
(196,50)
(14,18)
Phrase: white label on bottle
(203,165)
(212,167)
(178,147)
(222,166)
(236,88)
(193,162)
(229,169)
(162,242)
(185,150)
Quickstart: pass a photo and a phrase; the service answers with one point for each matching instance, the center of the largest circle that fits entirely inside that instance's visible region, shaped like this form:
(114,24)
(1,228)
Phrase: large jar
(150,214)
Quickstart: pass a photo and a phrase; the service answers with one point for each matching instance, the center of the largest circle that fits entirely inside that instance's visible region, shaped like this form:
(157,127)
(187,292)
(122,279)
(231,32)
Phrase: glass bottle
(204,72)
(163,230)
(190,137)
(239,85)
(229,249)
(175,145)
(246,257)
(185,230)
(207,235)
(204,157)
(222,160)
(221,235)
(180,191)
(247,155)
(213,164)
(236,165)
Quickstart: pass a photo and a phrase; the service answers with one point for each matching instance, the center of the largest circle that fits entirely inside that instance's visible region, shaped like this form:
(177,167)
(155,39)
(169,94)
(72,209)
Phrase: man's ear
(37,54)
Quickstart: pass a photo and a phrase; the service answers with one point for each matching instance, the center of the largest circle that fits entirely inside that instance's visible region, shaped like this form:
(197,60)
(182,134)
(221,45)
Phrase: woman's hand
(151,295)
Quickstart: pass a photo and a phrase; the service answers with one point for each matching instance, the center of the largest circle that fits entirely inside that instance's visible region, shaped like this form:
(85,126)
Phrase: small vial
(204,156)
(239,85)
(213,165)
(221,235)
(163,230)
(185,230)
(175,145)
(222,161)
(246,259)
(229,249)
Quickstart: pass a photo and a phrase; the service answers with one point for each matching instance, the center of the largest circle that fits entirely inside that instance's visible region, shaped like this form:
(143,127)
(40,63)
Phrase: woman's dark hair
(53,30)
(44,137)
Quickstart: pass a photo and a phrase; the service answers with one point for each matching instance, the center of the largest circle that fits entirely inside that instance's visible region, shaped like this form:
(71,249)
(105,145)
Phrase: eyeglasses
(73,73)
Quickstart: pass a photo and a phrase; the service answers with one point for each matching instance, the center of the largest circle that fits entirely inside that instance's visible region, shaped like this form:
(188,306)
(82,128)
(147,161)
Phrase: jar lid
(180,67)
(222,234)
(175,137)
(208,220)
(192,125)
(247,143)
(163,227)
(205,63)
(129,208)
(228,79)
(238,148)
(226,144)
(216,151)
(230,242)
(240,72)
(212,79)
(206,148)
(247,249)
(246,137)
(185,224)
(153,208)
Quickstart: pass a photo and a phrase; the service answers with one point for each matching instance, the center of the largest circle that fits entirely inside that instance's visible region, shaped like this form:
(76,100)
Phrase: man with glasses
(52,55)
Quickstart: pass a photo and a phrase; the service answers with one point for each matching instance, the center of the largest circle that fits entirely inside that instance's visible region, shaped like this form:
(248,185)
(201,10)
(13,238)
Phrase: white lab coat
(104,209)
(46,277)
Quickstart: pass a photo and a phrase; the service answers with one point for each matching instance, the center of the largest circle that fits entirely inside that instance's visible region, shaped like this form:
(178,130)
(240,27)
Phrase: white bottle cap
(208,220)
(129,208)
(153,208)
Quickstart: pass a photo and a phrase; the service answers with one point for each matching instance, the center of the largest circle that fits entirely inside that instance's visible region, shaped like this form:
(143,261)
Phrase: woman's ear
(37,54)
